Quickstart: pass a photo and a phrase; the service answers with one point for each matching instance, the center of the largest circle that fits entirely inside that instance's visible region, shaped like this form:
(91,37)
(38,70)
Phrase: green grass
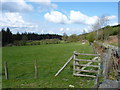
(50,58)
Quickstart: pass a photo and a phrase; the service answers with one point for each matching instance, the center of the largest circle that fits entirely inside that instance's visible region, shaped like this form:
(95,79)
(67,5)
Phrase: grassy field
(50,58)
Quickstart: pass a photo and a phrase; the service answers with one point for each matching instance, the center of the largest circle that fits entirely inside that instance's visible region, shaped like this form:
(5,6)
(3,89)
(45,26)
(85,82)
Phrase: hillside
(112,40)
(108,34)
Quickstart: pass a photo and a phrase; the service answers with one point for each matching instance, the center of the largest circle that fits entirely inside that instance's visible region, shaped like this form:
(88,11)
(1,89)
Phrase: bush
(19,43)
(46,41)
(91,37)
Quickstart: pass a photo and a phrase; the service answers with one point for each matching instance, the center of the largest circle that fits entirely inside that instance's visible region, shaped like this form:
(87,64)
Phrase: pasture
(50,58)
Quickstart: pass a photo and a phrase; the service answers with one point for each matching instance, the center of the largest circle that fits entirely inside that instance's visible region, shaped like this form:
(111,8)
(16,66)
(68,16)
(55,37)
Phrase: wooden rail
(86,60)
(86,65)
(84,75)
(91,71)
(94,59)
(87,54)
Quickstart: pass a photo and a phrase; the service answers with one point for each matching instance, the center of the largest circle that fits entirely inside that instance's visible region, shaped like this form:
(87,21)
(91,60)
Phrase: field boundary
(110,60)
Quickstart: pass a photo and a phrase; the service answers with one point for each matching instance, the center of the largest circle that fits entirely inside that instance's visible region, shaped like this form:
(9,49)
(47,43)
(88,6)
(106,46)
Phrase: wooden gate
(81,67)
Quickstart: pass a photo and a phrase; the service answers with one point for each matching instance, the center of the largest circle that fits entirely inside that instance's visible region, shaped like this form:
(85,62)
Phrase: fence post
(36,73)
(98,75)
(118,72)
(74,62)
(106,62)
(118,79)
(6,70)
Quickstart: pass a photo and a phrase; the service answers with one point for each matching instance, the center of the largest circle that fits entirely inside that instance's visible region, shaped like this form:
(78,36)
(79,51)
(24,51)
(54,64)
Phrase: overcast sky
(55,17)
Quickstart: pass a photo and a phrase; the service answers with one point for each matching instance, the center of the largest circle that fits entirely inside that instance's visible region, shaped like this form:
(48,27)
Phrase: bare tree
(100,23)
(65,37)
(84,31)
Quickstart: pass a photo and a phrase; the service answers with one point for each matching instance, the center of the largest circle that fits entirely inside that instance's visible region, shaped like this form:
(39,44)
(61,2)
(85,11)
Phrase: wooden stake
(6,70)
(36,73)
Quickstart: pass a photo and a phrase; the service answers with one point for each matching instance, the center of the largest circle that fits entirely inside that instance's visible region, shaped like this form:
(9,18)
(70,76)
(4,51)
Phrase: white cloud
(56,17)
(45,4)
(22,5)
(14,20)
(91,20)
(64,29)
(42,31)
(51,32)
(67,29)
(87,29)
(113,24)
(45,1)
(111,17)
(75,17)
(61,29)
(78,17)
(15,6)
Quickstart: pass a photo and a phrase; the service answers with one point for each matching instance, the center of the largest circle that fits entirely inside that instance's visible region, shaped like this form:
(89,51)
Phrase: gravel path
(110,84)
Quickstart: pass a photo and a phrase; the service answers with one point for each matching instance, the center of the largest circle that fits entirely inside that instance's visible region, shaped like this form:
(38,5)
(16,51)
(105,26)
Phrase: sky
(55,17)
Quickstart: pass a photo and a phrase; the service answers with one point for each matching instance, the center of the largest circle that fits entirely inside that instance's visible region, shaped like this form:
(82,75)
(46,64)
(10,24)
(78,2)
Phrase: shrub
(91,37)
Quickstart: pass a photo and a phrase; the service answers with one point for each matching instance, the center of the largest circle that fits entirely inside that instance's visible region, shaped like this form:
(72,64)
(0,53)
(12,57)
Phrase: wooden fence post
(106,62)
(96,85)
(74,62)
(36,73)
(77,62)
(6,70)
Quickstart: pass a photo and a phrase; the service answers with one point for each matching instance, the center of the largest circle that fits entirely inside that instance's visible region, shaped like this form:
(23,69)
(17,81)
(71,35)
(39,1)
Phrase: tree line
(18,39)
(9,38)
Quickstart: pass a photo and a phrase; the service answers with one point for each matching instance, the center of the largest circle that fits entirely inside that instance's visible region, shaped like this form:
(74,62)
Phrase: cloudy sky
(55,17)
